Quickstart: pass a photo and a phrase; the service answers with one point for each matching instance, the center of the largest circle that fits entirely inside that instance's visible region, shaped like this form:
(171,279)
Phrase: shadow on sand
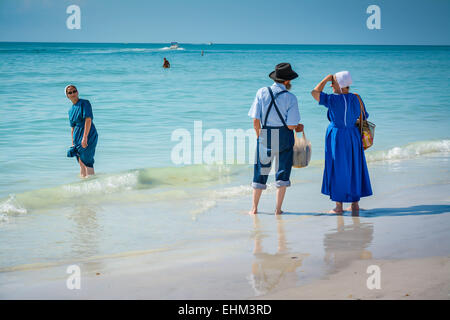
(384,212)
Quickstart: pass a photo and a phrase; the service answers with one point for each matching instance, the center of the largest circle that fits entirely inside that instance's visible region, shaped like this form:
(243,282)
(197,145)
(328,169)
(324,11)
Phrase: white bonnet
(343,78)
(65,89)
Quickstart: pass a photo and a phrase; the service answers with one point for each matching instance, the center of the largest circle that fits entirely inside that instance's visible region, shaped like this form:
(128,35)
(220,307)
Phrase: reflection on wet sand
(347,243)
(273,271)
(85,240)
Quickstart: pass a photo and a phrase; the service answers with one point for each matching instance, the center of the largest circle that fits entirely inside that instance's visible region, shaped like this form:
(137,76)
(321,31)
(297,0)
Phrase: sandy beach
(136,181)
(426,278)
(302,254)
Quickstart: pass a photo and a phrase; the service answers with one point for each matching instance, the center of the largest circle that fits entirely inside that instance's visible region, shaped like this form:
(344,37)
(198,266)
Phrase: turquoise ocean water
(137,105)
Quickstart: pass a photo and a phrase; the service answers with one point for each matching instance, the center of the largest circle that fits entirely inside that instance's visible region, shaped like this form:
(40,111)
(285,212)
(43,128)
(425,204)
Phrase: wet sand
(302,254)
(427,278)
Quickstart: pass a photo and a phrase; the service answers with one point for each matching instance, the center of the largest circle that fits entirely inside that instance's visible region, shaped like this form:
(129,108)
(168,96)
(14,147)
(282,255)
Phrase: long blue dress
(77,116)
(345,176)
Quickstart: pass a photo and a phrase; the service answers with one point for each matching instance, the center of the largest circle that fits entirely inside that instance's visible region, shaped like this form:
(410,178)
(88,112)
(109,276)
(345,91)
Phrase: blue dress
(77,116)
(345,176)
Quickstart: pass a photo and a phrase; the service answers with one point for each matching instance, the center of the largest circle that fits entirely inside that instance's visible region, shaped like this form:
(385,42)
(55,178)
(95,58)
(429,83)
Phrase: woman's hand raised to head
(299,128)
(319,88)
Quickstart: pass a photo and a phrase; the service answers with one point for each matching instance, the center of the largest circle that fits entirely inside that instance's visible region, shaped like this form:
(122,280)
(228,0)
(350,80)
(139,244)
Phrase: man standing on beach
(275,115)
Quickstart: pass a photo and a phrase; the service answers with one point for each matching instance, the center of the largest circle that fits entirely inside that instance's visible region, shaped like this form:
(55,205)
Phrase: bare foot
(336,210)
(353,208)
(253,211)
(279,211)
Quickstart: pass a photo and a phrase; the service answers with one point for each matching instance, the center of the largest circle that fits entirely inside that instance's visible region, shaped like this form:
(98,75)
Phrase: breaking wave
(172,182)
(410,151)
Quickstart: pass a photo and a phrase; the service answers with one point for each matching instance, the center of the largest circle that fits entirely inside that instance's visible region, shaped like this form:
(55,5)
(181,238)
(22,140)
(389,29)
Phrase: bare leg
(353,207)
(338,208)
(256,196)
(83,170)
(90,171)
(281,191)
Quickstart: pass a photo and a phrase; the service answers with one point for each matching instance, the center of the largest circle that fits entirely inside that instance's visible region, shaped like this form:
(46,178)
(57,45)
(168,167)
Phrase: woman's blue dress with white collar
(345,176)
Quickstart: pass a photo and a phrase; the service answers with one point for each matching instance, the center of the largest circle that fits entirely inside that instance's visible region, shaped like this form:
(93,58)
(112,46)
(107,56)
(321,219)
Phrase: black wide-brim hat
(283,72)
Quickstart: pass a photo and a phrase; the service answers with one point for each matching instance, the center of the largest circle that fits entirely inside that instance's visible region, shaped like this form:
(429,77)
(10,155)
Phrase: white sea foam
(11,206)
(232,192)
(241,190)
(123,50)
(103,185)
(409,151)
(168,48)
(202,206)
(214,196)
(224,194)
(100,187)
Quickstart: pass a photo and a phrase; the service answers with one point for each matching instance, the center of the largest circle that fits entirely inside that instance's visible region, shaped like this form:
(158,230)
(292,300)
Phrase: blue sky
(230,21)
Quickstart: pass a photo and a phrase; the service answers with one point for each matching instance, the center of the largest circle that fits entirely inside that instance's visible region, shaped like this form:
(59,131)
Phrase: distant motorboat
(173,46)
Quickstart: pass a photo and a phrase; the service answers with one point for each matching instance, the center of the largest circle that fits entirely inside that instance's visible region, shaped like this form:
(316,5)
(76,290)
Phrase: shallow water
(140,199)
(137,105)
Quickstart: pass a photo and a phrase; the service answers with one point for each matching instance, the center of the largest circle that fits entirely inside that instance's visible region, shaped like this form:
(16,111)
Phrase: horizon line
(236,43)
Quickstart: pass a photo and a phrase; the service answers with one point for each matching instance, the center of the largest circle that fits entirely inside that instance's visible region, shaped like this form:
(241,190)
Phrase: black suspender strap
(267,113)
(276,107)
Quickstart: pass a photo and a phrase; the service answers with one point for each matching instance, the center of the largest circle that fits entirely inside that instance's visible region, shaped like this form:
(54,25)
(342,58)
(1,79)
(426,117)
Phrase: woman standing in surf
(84,134)
(345,176)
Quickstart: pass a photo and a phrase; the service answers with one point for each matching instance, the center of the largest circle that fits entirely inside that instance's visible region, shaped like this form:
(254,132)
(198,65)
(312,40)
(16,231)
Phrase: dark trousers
(273,143)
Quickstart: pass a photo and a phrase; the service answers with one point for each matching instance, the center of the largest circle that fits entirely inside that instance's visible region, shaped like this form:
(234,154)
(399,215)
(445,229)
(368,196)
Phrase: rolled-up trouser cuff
(257,185)
(281,183)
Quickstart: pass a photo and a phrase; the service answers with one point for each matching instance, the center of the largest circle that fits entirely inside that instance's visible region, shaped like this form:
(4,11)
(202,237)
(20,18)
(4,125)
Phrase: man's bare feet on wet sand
(278,211)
